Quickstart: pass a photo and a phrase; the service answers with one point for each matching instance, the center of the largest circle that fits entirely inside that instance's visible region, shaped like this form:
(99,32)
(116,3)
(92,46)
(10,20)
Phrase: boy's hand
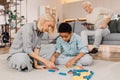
(53,59)
(69,63)
(50,64)
(72,61)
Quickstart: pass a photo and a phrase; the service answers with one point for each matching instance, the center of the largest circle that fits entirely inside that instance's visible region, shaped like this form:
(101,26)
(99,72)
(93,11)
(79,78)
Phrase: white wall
(72,10)
(75,10)
(33,7)
(68,1)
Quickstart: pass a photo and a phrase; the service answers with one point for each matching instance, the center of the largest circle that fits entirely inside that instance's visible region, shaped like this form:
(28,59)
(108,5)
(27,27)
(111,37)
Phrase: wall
(75,10)
(32,11)
(68,1)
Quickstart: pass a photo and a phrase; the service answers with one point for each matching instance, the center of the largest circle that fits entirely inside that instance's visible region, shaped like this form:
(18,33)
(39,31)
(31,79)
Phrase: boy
(70,49)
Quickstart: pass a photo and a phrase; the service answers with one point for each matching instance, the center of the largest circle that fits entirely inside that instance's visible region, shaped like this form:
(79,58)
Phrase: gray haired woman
(25,52)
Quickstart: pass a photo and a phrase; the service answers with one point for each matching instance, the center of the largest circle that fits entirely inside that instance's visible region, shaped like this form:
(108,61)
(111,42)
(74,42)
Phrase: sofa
(112,39)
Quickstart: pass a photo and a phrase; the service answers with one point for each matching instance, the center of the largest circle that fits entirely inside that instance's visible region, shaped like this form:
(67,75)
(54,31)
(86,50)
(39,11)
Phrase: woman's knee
(20,57)
(20,61)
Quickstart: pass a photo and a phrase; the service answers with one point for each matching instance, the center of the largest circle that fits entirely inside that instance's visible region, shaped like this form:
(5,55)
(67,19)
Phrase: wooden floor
(4,50)
(106,52)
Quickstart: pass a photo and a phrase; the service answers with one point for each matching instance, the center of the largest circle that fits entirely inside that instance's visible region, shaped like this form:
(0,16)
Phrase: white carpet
(103,70)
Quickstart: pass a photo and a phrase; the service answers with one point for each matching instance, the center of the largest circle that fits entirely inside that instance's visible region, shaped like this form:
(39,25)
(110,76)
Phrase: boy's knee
(86,60)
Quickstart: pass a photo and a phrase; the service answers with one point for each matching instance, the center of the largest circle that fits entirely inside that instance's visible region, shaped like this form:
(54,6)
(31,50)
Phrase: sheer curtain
(2,17)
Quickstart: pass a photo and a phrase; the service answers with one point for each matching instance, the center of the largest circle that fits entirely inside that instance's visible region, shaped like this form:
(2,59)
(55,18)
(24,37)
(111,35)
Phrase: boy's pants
(85,60)
(99,33)
(21,61)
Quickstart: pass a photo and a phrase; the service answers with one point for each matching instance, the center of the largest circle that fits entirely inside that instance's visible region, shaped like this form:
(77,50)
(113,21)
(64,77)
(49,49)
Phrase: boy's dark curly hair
(65,28)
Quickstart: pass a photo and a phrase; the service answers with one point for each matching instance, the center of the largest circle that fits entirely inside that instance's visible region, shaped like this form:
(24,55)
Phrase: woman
(26,45)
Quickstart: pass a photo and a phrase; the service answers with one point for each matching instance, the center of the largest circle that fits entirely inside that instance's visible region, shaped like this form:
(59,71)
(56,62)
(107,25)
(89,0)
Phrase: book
(87,23)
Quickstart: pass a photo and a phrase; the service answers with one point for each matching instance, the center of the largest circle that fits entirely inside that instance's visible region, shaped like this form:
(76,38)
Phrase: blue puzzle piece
(76,74)
(62,73)
(88,77)
(80,70)
(50,70)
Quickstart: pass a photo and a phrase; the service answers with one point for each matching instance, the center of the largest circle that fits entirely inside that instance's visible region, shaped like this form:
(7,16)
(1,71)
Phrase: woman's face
(47,25)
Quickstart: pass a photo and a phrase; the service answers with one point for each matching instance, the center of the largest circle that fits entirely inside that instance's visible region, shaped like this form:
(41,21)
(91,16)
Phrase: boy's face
(66,36)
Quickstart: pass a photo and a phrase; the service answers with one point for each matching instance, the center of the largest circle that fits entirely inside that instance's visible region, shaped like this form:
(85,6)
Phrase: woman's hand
(40,67)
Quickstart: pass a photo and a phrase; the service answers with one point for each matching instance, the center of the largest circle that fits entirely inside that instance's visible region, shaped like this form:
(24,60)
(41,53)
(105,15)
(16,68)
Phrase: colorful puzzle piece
(50,70)
(56,69)
(78,78)
(79,73)
(62,73)
(53,70)
(82,74)
(78,67)
(70,72)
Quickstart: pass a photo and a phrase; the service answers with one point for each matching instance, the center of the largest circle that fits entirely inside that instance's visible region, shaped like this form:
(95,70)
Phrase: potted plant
(13,18)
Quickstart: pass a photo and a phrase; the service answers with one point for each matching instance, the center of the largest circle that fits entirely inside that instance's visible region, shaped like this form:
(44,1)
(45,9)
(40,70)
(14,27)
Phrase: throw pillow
(118,26)
(113,26)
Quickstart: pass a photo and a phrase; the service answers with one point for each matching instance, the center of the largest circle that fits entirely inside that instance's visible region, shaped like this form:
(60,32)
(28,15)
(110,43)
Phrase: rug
(103,70)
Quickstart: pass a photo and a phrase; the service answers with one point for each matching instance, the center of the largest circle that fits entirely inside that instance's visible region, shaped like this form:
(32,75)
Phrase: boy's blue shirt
(71,48)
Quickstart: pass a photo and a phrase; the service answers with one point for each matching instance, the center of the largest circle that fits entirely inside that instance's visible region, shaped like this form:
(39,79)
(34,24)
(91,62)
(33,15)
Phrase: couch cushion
(79,27)
(112,37)
(113,26)
(118,26)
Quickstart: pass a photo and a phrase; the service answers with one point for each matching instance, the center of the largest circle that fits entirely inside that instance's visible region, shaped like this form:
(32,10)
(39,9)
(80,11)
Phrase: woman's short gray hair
(45,17)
